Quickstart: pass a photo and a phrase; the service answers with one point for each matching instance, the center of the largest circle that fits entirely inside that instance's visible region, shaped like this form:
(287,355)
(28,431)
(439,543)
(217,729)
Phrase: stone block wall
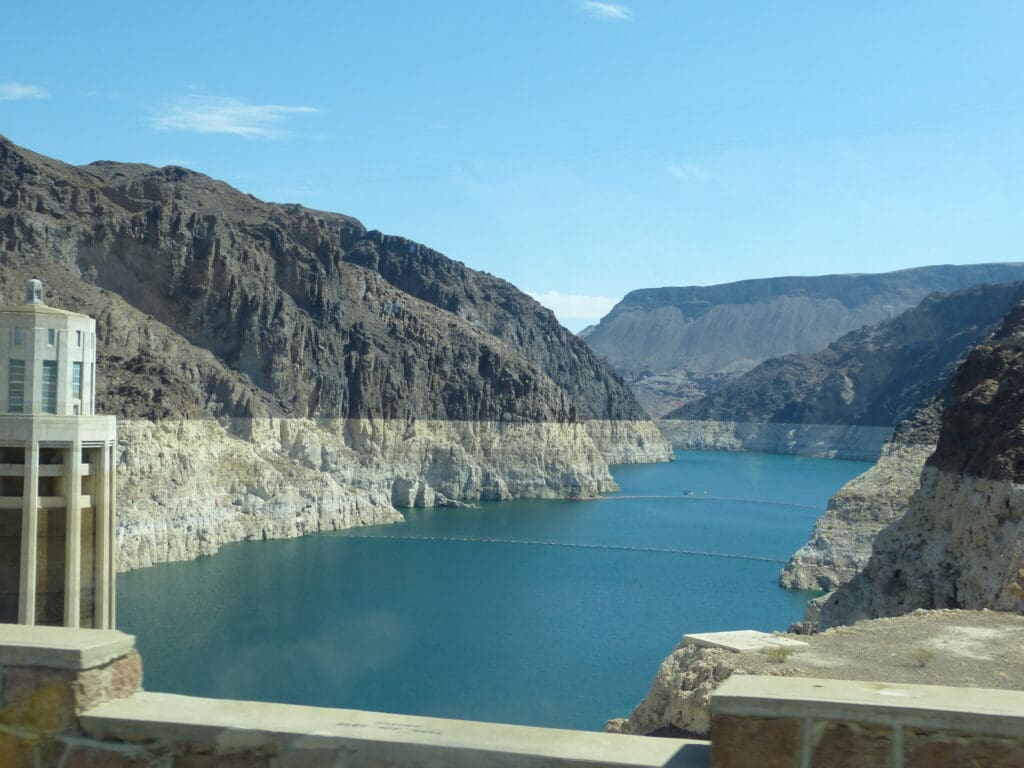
(772,722)
(44,690)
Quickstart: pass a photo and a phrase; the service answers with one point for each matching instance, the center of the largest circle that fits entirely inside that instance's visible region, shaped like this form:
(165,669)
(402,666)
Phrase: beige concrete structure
(57,492)
(72,698)
(743,640)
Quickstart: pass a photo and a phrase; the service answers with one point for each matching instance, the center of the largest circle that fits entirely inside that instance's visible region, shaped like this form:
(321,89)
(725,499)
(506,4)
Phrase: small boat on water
(688,492)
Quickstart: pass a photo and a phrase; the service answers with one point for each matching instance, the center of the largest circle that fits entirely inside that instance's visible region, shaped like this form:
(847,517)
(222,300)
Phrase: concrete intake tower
(57,490)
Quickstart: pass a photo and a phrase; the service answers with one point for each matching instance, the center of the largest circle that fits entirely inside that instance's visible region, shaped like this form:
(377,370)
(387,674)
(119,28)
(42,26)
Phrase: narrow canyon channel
(551,613)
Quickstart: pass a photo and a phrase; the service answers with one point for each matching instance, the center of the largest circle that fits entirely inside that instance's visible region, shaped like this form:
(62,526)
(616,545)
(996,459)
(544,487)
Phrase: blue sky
(583,149)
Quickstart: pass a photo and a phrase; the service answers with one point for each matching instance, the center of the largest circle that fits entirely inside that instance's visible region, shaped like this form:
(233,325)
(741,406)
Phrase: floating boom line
(571,545)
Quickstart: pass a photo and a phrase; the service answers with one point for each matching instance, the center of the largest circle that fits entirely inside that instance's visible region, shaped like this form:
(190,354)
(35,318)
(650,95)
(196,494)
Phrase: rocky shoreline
(961,544)
(840,543)
(278,370)
(188,486)
(831,441)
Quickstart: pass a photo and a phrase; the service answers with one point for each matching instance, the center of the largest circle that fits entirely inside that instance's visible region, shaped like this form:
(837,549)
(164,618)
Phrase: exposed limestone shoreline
(186,487)
(840,544)
(831,441)
(961,543)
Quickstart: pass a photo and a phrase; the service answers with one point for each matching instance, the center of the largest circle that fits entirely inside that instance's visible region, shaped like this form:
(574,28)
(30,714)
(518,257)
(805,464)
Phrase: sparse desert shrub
(922,657)
(777,654)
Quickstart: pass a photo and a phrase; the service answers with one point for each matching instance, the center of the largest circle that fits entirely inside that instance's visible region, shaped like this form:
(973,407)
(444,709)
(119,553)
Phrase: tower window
(19,335)
(49,386)
(76,381)
(51,336)
(78,338)
(16,386)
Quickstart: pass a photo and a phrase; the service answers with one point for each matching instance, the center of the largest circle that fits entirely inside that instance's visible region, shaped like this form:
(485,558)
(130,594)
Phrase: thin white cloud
(574,306)
(606,11)
(95,93)
(217,114)
(688,172)
(13,91)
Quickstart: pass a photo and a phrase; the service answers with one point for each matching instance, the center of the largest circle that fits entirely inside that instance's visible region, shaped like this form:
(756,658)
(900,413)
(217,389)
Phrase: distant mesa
(875,376)
(675,345)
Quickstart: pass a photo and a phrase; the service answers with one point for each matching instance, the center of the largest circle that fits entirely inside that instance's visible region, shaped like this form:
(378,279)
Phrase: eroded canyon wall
(961,542)
(278,370)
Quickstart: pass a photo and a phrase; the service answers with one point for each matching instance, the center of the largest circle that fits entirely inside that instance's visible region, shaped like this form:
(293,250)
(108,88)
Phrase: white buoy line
(571,545)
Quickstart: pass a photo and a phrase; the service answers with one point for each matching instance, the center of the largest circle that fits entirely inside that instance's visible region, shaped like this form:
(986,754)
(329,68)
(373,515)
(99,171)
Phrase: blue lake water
(486,614)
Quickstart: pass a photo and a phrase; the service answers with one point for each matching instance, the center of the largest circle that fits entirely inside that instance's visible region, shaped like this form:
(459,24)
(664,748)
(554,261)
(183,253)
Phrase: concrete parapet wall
(225,732)
(772,722)
(72,699)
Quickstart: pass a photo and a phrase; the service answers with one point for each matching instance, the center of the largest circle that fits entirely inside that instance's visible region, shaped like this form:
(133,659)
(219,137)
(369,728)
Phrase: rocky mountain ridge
(877,375)
(870,378)
(667,340)
(357,370)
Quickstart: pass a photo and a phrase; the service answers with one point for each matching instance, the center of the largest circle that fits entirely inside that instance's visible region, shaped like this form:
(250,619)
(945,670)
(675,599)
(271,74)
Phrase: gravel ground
(978,649)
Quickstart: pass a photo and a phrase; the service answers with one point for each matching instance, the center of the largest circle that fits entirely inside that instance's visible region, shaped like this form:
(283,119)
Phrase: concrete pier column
(73,534)
(29,536)
(103,504)
(110,533)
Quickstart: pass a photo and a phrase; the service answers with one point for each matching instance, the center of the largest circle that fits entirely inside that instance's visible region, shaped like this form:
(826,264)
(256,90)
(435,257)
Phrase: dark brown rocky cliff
(211,301)
(983,433)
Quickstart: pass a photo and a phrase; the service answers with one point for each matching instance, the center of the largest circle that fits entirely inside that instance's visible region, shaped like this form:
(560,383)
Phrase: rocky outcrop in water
(961,543)
(840,543)
(355,370)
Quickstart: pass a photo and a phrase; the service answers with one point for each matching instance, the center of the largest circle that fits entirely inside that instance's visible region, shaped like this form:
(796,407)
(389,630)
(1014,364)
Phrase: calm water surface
(424,618)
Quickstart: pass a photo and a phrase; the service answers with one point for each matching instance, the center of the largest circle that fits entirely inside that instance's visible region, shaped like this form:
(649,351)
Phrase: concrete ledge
(371,738)
(60,647)
(929,707)
(743,640)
